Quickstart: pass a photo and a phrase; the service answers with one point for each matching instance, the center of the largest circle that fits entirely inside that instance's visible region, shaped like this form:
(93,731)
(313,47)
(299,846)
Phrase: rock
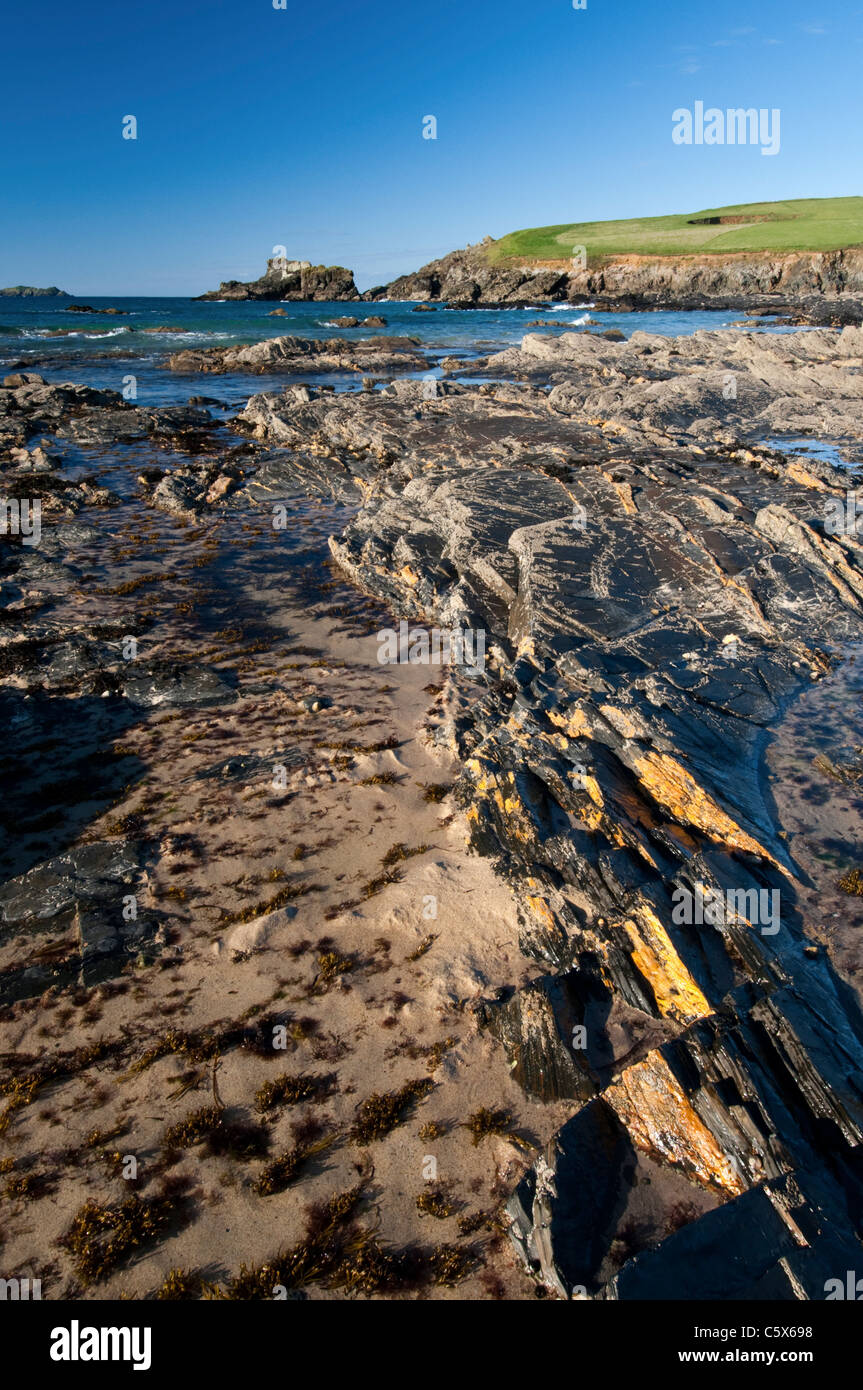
(88,309)
(220,488)
(291,280)
(290,354)
(374,321)
(345,323)
(89,416)
(97,872)
(608,547)
(312,703)
(467,279)
(251,936)
(188,492)
(277,314)
(825,287)
(167,683)
(23,379)
(250,767)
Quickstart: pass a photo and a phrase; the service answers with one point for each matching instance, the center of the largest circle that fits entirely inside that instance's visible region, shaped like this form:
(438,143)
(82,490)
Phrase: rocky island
(291,280)
(31,292)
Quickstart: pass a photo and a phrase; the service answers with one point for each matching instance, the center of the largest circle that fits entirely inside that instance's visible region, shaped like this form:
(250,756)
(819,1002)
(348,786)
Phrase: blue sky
(302,127)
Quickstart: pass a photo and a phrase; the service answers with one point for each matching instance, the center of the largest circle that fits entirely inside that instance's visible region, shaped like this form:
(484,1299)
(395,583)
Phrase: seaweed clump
(425,945)
(316,1257)
(450,1264)
(283,1170)
(436,791)
(181,1284)
(101,1237)
(331,964)
(398,852)
(291,1090)
(852,883)
(484,1122)
(435,1202)
(334,1252)
(221,1136)
(379,1114)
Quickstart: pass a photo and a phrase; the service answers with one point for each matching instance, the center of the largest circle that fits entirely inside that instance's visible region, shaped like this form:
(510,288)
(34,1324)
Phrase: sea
(40,334)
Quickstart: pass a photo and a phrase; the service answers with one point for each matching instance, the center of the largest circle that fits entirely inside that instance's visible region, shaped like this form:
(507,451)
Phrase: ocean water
(99,350)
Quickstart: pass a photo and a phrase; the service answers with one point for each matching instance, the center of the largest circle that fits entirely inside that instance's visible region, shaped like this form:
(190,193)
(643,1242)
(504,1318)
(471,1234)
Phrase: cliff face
(793,275)
(468,277)
(294,280)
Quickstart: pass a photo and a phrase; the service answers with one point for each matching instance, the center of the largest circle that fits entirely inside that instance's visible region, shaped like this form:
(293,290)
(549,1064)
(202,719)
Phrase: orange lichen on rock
(676,993)
(506,798)
(542,912)
(624,492)
(677,790)
(575,721)
(649,1100)
(798,474)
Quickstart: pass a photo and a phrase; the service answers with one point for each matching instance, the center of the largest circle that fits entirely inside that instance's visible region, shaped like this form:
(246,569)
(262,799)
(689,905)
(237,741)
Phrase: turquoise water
(100,349)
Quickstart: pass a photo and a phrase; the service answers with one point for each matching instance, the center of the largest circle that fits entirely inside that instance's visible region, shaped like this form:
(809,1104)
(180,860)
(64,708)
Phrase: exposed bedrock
(302,355)
(652,606)
(29,406)
(825,284)
(714,386)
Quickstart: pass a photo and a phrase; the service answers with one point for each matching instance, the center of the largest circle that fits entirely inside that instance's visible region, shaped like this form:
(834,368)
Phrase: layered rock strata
(657,588)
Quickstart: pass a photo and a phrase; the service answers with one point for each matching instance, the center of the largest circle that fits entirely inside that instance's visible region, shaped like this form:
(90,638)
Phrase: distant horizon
(363,288)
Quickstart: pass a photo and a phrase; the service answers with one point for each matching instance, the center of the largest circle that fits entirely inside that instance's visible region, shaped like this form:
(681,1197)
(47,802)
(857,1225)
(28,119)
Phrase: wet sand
(370,981)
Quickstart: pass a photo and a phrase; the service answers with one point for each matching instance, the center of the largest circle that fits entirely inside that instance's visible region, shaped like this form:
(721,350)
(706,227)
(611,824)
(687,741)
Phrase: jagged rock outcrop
(712,386)
(29,405)
(291,280)
(302,355)
(467,277)
(653,602)
(731,279)
(795,281)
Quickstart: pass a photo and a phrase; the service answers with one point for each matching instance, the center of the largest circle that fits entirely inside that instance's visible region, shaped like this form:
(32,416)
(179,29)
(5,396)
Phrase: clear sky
(302,127)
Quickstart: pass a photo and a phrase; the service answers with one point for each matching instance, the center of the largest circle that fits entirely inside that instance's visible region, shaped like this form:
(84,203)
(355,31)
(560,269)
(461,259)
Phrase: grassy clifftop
(802,224)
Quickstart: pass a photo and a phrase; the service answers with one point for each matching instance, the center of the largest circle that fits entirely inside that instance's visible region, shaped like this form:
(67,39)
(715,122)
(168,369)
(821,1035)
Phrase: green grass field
(803,224)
